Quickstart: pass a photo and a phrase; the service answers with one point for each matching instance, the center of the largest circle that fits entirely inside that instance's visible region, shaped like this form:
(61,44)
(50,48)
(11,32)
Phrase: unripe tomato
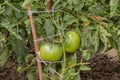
(51,52)
(72,41)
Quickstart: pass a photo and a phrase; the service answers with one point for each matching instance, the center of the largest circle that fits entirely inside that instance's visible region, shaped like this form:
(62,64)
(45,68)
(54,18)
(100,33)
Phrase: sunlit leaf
(113,7)
(86,23)
(86,54)
(26,3)
(84,18)
(83,67)
(104,36)
(118,33)
(76,1)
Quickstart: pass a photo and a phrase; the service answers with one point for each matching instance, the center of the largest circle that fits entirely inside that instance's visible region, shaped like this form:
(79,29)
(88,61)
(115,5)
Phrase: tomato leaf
(78,31)
(10,5)
(90,38)
(19,48)
(31,76)
(49,28)
(104,34)
(69,74)
(86,54)
(113,7)
(118,43)
(77,77)
(26,3)
(83,67)
(69,19)
(84,18)
(118,33)
(28,57)
(76,1)
(78,7)
(9,28)
(72,60)
(46,69)
(4,56)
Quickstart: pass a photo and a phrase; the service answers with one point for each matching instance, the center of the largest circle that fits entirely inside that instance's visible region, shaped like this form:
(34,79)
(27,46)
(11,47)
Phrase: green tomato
(51,52)
(72,41)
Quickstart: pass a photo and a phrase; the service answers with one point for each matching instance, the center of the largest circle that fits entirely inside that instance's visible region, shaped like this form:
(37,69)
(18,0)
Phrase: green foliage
(4,56)
(31,76)
(19,48)
(9,28)
(26,3)
(69,19)
(84,67)
(11,19)
(113,7)
(49,28)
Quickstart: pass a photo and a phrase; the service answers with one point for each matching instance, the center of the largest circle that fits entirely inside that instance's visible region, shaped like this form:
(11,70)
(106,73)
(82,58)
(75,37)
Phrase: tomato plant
(72,41)
(51,52)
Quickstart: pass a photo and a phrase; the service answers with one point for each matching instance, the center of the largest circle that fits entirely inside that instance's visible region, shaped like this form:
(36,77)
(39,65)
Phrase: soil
(103,68)
(9,72)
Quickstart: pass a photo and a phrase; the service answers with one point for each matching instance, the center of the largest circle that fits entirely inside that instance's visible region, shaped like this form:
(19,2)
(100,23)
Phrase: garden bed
(9,71)
(102,69)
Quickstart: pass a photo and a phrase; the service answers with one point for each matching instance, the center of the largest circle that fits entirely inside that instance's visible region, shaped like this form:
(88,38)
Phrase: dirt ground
(8,72)
(103,68)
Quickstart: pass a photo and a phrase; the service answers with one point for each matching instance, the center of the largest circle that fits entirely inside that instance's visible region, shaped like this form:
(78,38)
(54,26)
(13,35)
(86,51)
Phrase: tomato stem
(53,77)
(58,25)
(61,40)
(76,65)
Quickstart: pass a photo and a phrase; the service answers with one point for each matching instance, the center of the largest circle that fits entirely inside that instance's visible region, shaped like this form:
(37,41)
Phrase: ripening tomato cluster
(53,52)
